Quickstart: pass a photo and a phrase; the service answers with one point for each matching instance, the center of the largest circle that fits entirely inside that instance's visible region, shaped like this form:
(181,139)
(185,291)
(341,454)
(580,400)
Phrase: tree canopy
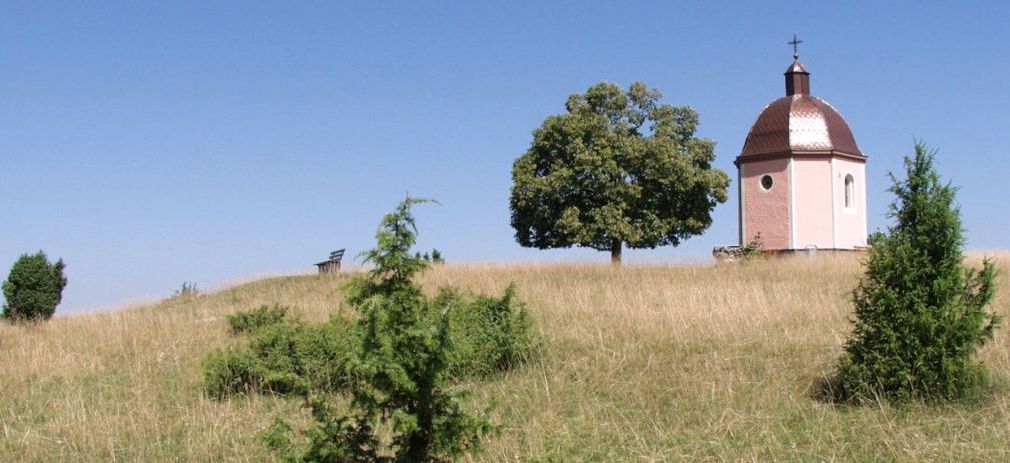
(619,168)
(34,288)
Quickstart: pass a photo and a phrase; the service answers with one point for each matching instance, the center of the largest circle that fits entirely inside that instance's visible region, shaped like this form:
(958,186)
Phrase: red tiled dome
(799,123)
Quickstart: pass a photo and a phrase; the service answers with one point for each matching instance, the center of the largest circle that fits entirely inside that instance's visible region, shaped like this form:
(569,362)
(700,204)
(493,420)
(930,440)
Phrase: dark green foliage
(34,288)
(397,364)
(919,312)
(336,438)
(259,317)
(435,257)
(187,291)
(402,366)
(232,371)
(409,349)
(283,358)
(619,168)
(489,334)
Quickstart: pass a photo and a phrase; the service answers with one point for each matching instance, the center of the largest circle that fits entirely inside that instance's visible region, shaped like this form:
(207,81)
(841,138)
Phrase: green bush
(919,312)
(435,257)
(259,317)
(34,288)
(232,371)
(490,335)
(397,363)
(409,349)
(282,358)
(336,438)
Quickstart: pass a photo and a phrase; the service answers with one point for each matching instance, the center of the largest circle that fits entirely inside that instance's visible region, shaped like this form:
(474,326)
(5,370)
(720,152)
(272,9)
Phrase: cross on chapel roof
(795,42)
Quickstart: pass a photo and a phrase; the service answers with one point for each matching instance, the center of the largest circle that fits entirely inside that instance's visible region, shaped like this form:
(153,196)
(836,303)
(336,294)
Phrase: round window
(767,182)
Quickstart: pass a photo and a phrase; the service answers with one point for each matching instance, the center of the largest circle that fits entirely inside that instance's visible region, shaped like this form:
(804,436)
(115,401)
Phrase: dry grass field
(644,363)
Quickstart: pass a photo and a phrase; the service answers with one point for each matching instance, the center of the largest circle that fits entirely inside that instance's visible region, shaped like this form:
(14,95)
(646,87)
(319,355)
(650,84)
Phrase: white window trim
(850,193)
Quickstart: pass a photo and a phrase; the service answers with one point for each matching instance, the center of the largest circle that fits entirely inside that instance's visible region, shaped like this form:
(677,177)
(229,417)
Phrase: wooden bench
(331,265)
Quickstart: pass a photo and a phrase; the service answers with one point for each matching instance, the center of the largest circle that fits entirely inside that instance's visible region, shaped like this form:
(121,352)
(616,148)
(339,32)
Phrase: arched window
(850,191)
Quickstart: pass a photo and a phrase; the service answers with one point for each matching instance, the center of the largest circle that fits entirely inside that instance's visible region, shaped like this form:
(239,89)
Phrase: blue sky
(152,143)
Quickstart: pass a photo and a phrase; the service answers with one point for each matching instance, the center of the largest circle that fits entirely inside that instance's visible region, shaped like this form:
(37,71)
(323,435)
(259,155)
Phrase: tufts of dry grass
(642,363)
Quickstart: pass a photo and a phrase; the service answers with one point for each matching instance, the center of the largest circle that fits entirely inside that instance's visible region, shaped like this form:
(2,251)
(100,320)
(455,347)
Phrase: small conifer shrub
(403,406)
(187,291)
(920,314)
(435,257)
(34,288)
(254,319)
(398,365)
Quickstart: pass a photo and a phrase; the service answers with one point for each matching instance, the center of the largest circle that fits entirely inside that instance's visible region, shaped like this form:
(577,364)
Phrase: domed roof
(799,123)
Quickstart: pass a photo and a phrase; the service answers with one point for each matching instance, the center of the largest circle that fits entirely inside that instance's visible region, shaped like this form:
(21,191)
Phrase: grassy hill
(641,364)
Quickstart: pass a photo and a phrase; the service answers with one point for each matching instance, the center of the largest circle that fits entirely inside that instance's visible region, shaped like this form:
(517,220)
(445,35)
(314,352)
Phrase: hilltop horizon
(241,280)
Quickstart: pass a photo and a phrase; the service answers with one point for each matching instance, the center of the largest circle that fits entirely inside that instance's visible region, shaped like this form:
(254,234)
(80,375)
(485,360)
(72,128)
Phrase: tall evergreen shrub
(920,313)
(34,288)
(403,407)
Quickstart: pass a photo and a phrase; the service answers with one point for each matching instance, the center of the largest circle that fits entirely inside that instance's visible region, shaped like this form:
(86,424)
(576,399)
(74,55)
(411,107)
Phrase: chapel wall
(765,211)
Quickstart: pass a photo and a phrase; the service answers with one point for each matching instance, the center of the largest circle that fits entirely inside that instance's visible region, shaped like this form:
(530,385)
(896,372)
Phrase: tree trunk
(615,252)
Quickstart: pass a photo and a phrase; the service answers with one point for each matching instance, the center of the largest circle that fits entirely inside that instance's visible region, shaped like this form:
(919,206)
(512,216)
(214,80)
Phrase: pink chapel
(801,177)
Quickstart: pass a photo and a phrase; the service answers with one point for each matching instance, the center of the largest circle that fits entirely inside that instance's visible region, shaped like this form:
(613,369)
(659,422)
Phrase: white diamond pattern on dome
(807,129)
(799,123)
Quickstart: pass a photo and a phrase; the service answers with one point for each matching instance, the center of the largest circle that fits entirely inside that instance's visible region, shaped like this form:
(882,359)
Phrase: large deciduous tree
(619,168)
